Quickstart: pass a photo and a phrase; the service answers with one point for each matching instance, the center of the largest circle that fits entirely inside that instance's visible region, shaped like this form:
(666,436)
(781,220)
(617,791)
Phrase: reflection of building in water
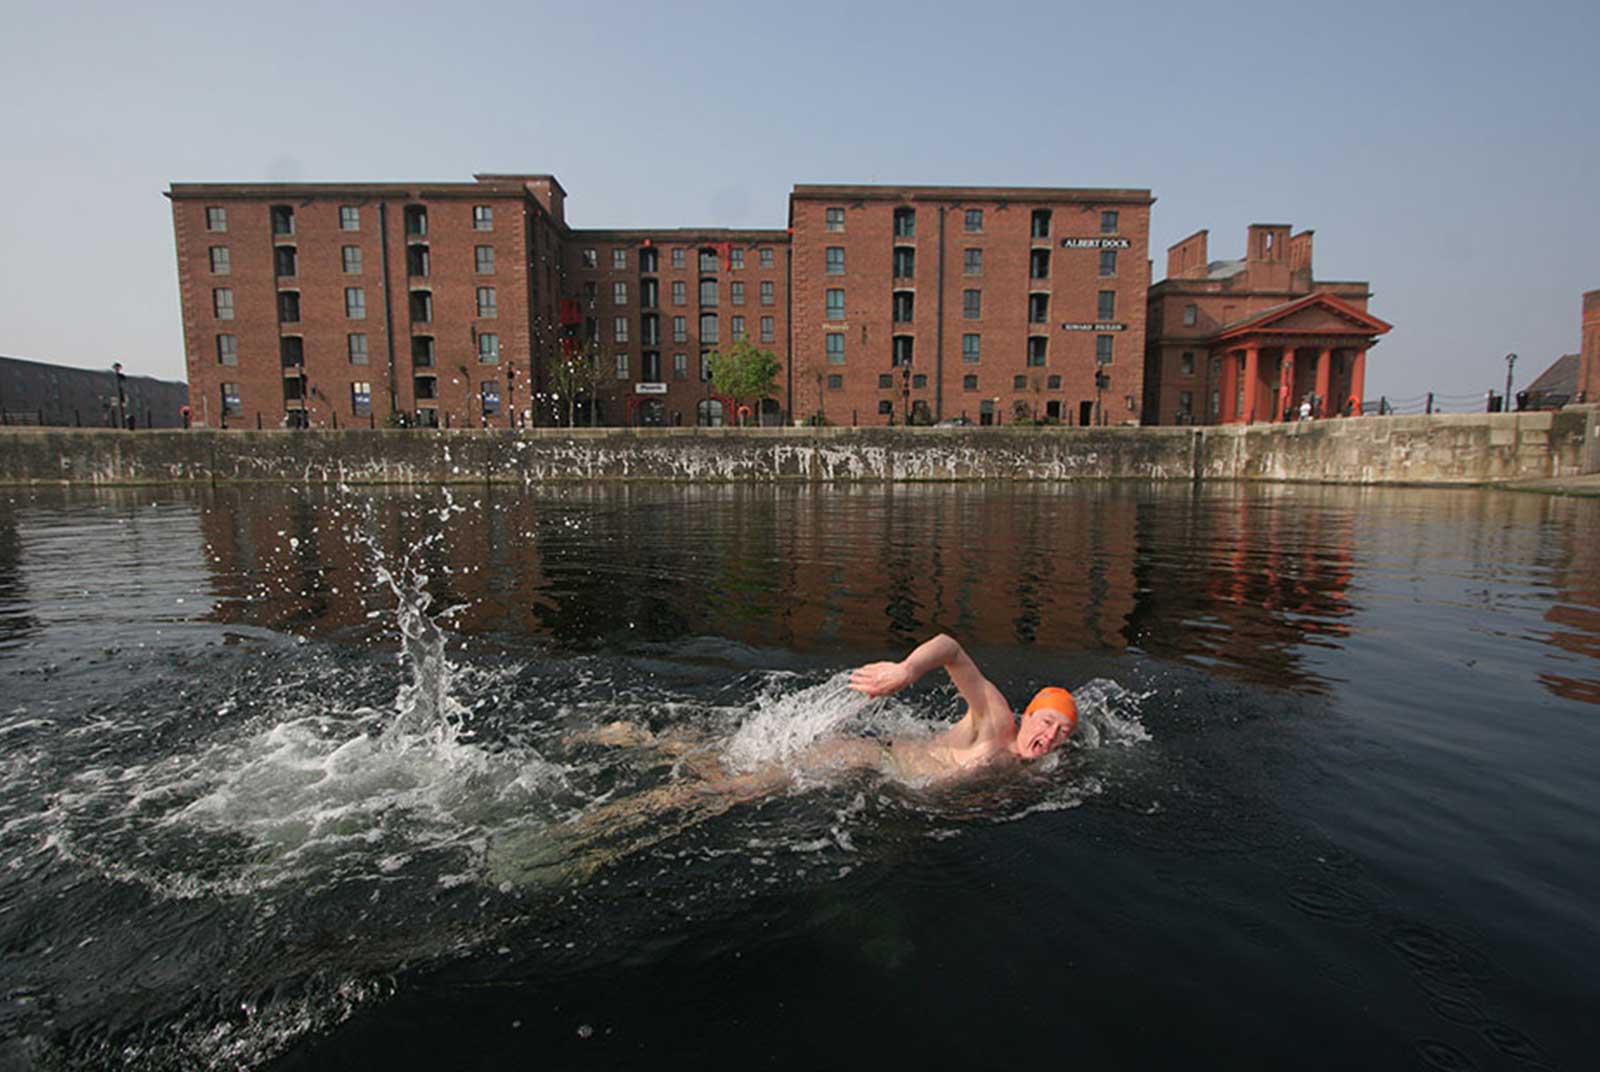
(1243,581)
(1575,617)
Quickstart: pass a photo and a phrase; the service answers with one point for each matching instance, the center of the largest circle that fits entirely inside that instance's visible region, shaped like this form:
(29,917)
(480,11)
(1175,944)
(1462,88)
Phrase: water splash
(786,724)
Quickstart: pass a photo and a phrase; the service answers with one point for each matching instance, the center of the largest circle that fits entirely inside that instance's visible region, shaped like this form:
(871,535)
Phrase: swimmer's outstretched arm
(883,679)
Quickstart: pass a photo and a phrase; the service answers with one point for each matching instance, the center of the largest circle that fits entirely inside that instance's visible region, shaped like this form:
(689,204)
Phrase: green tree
(574,376)
(744,371)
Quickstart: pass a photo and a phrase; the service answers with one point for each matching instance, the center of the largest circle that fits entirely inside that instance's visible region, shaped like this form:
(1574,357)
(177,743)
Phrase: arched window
(709,413)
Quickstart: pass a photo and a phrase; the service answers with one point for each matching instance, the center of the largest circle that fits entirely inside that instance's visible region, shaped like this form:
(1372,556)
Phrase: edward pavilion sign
(1094,325)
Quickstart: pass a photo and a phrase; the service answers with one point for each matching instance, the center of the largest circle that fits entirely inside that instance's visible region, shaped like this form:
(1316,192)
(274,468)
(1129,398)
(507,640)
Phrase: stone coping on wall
(1443,449)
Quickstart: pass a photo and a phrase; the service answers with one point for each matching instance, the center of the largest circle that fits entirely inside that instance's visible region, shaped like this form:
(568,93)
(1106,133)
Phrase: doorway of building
(1086,413)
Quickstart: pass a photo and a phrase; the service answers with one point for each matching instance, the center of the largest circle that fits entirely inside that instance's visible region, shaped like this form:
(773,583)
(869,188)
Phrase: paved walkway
(1566,485)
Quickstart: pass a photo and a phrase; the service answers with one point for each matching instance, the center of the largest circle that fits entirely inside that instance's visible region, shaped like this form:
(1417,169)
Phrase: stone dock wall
(1449,449)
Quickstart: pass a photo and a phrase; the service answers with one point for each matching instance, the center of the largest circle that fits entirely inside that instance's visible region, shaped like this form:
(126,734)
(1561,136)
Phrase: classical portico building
(1250,340)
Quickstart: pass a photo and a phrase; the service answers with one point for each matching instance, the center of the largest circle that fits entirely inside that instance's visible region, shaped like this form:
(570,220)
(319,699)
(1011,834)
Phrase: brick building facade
(1250,339)
(1589,351)
(991,304)
(455,304)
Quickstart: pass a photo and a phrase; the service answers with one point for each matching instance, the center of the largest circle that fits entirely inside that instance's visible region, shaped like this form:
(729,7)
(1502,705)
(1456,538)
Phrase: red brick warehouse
(1250,340)
(993,304)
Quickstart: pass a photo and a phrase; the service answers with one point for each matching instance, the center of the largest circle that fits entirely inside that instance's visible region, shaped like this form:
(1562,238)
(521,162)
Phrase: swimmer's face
(1042,732)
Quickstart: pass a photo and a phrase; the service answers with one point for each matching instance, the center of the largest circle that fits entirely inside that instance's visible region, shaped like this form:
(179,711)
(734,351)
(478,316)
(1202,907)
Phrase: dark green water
(1334,805)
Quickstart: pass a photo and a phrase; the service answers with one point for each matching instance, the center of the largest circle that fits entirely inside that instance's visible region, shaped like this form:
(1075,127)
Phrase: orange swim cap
(1058,700)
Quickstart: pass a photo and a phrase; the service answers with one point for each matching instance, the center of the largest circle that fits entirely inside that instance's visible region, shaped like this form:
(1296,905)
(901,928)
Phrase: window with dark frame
(735,259)
(905,262)
(619,294)
(422,351)
(222,303)
(833,346)
(355,303)
(282,220)
(835,382)
(971,348)
(483,260)
(231,406)
(1019,383)
(1036,350)
(489,396)
(1039,264)
(708,293)
(972,262)
(1191,315)
(973,221)
(736,327)
(1186,363)
(350,260)
(972,304)
(1053,382)
(833,260)
(619,329)
(619,259)
(288,306)
(886,405)
(419,262)
(708,260)
(227,349)
(488,347)
(1106,309)
(904,307)
(285,261)
(1102,349)
(590,258)
(902,349)
(1108,222)
(833,219)
(1038,308)
(709,333)
(220,263)
(919,380)
(768,294)
(680,292)
(349,218)
(1040,226)
(736,293)
(905,223)
(680,329)
(680,366)
(422,306)
(647,260)
(356,348)
(969,382)
(1108,263)
(678,257)
(416,221)
(291,351)
(216,219)
(834,304)
(768,329)
(487,302)
(361,398)
(765,256)
(483,217)
(885,380)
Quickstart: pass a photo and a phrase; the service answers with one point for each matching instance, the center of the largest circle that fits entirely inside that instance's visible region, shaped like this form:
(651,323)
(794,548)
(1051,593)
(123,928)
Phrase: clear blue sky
(1446,152)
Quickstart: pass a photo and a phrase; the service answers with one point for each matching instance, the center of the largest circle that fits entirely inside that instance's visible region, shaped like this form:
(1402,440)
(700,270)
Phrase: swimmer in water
(988,736)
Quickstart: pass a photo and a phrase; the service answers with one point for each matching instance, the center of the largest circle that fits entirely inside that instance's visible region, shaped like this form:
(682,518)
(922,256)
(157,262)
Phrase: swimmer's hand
(881,679)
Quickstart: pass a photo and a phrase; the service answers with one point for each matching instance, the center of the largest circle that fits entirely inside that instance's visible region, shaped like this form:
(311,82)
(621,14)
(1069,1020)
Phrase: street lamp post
(1511,363)
(122,401)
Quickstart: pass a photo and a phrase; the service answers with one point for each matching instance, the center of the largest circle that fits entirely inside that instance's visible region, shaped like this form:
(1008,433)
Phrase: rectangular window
(708,260)
(833,219)
(1107,307)
(418,261)
(356,347)
(767,294)
(231,406)
(1019,383)
(220,264)
(488,347)
(765,255)
(736,293)
(680,292)
(285,262)
(1053,382)
(591,259)
(705,366)
(835,304)
(905,222)
(1191,314)
(647,261)
(222,303)
(1186,403)
(650,366)
(486,302)
(834,263)
(416,221)
(678,257)
(1039,264)
(709,334)
(768,332)
(355,303)
(622,366)
(835,382)
(289,306)
(1186,363)
(919,380)
(1108,263)
(619,329)
(349,218)
(291,351)
(904,308)
(972,304)
(619,294)
(708,293)
(227,349)
(649,293)
(1041,223)
(350,260)
(489,395)
(216,219)
(650,331)
(736,326)
(361,398)
(834,341)
(969,382)
(884,404)
(972,262)
(974,220)
(1108,222)
(422,306)
(901,350)
(422,351)
(619,260)
(282,220)
(1036,349)
(971,349)
(483,217)
(885,381)
(905,262)
(735,258)
(1102,349)
(680,366)
(680,329)
(427,388)
(483,260)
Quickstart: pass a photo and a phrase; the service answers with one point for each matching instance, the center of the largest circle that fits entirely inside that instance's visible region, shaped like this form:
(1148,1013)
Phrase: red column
(1285,383)
(1324,381)
(1226,388)
(1358,378)
(1252,383)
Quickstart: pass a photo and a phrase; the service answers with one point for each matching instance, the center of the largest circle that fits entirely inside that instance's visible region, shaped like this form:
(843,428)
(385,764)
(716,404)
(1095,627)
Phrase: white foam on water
(785,724)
